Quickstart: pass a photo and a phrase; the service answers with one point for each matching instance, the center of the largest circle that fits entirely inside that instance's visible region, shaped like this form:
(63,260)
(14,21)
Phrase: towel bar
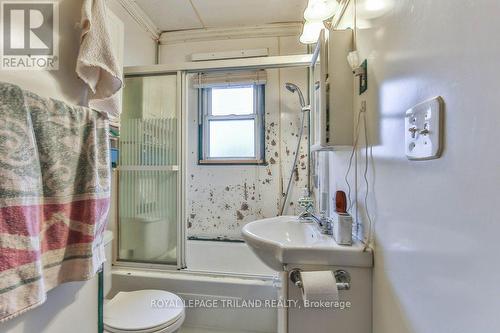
(343,279)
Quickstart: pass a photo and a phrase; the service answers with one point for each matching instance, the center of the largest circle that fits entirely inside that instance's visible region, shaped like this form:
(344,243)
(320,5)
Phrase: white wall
(70,303)
(140,48)
(221,199)
(436,223)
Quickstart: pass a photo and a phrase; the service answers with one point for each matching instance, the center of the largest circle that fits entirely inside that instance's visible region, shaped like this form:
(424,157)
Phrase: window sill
(232,162)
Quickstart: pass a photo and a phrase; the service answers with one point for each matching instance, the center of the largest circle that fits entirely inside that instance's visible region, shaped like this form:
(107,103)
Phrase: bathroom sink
(285,241)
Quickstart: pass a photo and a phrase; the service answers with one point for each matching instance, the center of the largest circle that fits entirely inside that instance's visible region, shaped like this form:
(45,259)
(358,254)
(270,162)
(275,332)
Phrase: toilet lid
(143,310)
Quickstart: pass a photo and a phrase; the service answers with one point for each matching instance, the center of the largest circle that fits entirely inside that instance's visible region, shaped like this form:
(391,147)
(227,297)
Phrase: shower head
(294,88)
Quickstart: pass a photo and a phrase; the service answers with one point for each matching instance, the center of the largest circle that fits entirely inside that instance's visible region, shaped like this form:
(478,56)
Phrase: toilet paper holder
(343,279)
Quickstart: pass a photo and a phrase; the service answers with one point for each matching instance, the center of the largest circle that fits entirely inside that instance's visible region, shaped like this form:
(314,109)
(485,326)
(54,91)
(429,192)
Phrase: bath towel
(54,196)
(97,65)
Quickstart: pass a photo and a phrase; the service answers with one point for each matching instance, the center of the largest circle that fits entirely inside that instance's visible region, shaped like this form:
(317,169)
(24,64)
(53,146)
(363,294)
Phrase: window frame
(205,116)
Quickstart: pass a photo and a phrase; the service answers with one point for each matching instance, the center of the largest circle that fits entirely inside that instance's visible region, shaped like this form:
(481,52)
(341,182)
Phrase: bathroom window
(232,124)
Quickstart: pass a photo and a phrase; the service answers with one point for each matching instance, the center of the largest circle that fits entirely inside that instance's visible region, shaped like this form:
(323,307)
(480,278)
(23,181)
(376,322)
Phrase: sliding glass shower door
(149,172)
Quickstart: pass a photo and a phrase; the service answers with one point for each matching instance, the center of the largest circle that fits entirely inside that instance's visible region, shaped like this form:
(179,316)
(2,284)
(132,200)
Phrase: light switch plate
(423,130)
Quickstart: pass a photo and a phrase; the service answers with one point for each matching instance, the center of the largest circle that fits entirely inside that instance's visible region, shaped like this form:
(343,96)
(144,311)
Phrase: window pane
(234,100)
(232,138)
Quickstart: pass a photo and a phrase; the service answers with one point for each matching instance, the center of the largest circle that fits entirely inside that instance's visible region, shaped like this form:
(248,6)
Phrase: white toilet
(141,311)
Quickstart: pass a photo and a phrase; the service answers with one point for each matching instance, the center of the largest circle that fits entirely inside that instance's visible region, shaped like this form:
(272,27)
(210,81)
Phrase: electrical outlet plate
(423,130)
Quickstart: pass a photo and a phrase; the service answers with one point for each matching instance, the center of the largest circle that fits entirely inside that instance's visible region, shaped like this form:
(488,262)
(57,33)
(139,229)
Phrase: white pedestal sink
(285,241)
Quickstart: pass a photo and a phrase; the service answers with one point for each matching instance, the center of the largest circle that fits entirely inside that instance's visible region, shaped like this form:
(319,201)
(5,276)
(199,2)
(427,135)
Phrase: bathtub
(217,273)
(224,257)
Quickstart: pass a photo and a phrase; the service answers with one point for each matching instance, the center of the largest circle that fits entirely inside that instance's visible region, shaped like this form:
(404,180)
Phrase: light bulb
(353,59)
(320,10)
(371,9)
(311,32)
(374,5)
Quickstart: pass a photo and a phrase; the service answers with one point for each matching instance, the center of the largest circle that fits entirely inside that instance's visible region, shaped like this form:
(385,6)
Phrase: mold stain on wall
(221,199)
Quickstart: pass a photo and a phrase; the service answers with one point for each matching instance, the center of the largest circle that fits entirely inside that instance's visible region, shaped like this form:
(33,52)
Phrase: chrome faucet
(324,223)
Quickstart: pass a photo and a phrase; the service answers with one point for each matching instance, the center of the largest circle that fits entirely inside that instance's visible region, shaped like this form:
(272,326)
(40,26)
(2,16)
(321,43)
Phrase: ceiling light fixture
(316,12)
(320,10)
(311,32)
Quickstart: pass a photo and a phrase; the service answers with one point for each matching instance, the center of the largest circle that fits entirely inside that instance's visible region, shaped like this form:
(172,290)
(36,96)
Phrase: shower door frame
(181,154)
(182,70)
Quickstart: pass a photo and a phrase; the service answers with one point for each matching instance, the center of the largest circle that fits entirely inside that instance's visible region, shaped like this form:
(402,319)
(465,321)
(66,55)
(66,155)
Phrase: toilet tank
(108,248)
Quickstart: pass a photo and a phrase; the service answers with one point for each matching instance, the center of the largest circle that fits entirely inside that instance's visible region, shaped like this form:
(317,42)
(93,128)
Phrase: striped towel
(54,196)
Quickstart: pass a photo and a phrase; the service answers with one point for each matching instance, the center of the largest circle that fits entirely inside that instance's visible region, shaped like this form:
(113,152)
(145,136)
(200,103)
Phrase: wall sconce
(358,69)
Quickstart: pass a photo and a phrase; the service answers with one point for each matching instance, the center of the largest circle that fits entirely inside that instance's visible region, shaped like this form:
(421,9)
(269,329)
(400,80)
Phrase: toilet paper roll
(319,286)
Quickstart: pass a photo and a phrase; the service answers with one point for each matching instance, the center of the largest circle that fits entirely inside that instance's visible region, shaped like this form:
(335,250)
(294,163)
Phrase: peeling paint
(222,199)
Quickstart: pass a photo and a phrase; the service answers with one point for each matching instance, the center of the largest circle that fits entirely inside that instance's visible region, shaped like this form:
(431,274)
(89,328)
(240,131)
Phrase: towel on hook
(97,65)
(54,196)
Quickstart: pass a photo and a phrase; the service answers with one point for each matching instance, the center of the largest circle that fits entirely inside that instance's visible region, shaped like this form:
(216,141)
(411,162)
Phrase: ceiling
(169,15)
